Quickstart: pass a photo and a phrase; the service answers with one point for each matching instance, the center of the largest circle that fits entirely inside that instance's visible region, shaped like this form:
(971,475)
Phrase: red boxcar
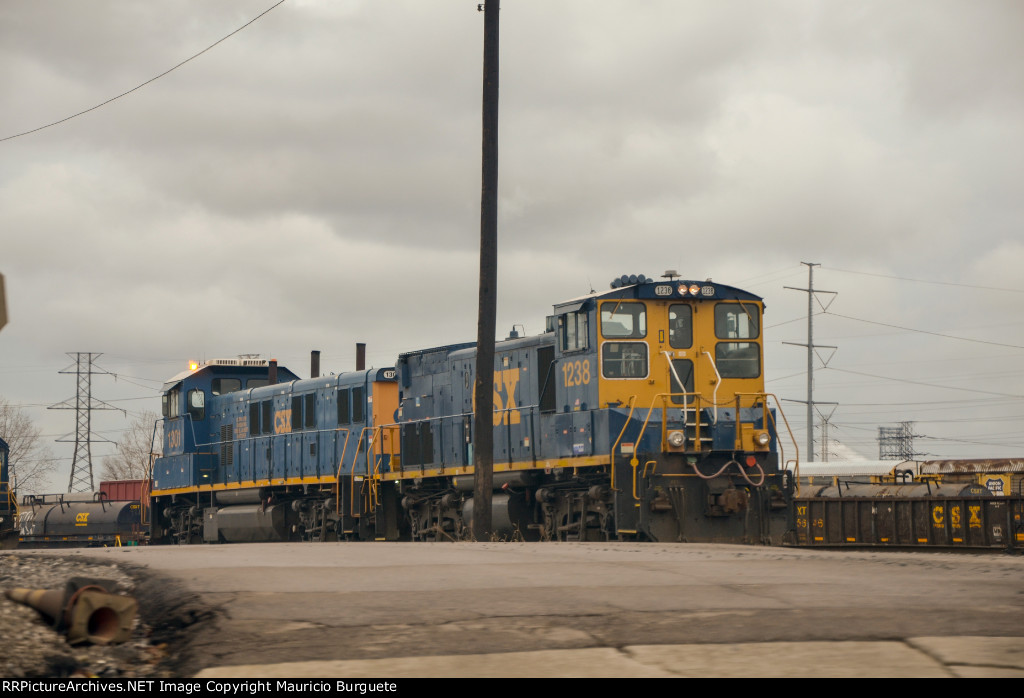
(125,490)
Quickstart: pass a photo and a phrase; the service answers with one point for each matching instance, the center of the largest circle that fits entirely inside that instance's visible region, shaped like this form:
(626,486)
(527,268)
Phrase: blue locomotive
(640,413)
(8,502)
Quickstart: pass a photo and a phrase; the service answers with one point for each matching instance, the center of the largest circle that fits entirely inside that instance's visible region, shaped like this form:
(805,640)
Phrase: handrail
(796,446)
(615,447)
(718,382)
(699,399)
(341,464)
(352,475)
(672,368)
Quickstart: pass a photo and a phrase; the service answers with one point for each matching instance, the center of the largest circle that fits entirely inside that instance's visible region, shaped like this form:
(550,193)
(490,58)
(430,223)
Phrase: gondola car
(640,413)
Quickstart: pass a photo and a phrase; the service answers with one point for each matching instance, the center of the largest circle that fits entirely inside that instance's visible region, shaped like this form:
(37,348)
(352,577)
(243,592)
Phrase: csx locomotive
(8,503)
(639,414)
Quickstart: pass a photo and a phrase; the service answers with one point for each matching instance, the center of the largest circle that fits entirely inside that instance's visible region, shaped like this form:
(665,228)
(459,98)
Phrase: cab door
(678,357)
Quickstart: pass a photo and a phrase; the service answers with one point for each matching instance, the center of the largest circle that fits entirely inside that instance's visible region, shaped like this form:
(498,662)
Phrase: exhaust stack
(360,356)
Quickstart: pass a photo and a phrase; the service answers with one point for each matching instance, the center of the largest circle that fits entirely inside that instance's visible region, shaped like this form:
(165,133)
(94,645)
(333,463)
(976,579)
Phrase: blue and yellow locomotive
(8,502)
(640,413)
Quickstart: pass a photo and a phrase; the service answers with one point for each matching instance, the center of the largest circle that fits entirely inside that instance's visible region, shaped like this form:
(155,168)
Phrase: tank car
(80,520)
(640,413)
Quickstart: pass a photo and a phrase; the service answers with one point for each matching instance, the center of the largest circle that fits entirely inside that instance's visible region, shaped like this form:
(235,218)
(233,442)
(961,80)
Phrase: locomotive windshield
(621,320)
(737,359)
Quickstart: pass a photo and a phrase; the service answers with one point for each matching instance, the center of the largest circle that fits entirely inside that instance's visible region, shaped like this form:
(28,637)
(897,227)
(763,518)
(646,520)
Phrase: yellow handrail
(615,447)
(341,464)
(796,446)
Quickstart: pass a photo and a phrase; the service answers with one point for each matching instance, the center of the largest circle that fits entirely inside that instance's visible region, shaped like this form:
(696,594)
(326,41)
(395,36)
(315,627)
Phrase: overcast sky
(314,181)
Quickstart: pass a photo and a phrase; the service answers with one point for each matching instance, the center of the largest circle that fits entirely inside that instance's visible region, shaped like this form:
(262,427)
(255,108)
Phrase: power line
(928,281)
(138,87)
(930,385)
(934,334)
(786,322)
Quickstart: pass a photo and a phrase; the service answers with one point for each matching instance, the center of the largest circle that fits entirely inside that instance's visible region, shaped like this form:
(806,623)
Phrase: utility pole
(83,404)
(825,423)
(811,347)
(3,303)
(483,389)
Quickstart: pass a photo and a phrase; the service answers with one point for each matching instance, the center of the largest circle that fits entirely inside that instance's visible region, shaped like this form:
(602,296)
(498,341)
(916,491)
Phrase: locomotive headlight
(694,290)
(763,438)
(676,439)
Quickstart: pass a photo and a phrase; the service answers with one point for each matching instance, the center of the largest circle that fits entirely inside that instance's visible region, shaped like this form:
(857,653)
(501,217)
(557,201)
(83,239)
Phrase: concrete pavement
(924,657)
(596,609)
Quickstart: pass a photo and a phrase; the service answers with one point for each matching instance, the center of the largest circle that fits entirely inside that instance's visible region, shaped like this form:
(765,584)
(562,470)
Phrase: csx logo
(505,384)
(283,422)
(82,519)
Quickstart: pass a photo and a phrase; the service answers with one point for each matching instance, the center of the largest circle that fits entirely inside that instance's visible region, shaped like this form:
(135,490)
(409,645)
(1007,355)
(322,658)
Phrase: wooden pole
(483,390)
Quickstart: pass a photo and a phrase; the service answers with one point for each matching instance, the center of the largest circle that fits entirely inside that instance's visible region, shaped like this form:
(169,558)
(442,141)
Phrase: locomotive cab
(248,457)
(187,404)
(666,376)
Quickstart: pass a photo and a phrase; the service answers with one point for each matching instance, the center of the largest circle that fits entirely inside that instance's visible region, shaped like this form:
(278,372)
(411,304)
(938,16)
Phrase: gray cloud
(314,181)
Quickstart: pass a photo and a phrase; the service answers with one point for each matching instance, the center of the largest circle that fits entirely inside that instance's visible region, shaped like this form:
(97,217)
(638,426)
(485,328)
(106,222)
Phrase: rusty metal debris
(86,610)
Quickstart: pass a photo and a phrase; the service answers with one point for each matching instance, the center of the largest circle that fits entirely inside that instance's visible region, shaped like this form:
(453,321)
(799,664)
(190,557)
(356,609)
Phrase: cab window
(573,329)
(624,360)
(197,404)
(736,321)
(221,386)
(171,403)
(738,359)
(623,320)
(680,326)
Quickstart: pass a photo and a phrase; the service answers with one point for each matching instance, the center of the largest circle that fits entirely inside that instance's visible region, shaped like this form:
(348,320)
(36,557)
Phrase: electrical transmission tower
(826,423)
(83,404)
(811,352)
(896,443)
